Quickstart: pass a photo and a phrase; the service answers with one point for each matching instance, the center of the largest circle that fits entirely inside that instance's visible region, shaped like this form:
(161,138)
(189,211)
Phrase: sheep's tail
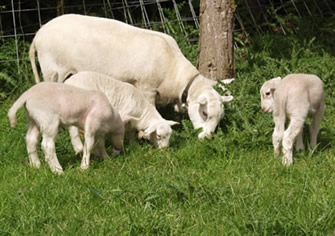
(32,52)
(17,105)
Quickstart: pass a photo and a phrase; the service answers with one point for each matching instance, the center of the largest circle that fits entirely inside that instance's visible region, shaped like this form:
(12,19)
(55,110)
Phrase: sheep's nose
(263,109)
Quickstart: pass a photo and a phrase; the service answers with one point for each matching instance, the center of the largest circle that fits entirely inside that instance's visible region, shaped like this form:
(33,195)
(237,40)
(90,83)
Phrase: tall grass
(230,184)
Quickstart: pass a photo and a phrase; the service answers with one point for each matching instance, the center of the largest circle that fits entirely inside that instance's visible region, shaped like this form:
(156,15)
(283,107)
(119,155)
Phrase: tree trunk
(216,49)
(60,7)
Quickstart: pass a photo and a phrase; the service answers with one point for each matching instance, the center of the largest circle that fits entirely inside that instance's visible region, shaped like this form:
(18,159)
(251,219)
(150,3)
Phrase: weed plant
(231,184)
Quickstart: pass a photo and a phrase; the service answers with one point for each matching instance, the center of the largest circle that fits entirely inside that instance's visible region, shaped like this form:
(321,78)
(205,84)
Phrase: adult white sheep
(50,105)
(147,59)
(132,105)
(295,96)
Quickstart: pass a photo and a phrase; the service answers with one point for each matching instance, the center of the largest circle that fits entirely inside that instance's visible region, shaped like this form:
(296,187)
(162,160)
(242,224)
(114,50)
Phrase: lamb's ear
(276,80)
(151,95)
(274,83)
(272,90)
(202,100)
(227,81)
(227,98)
(171,122)
(129,119)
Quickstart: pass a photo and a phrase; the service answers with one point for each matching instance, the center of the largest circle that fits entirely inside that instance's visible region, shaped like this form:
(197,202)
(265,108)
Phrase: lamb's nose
(263,109)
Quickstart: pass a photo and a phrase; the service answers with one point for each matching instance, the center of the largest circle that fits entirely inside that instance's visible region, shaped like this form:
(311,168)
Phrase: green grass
(231,184)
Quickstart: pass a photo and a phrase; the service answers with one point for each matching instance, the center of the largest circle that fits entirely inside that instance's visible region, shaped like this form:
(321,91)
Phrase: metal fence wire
(21,19)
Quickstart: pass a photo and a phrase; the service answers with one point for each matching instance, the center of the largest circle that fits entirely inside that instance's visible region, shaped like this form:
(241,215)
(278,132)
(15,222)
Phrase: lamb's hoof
(287,162)
(57,171)
(203,135)
(116,152)
(84,166)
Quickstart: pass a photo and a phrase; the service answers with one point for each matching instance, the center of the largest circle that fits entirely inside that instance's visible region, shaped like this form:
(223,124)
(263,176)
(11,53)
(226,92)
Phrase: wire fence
(19,20)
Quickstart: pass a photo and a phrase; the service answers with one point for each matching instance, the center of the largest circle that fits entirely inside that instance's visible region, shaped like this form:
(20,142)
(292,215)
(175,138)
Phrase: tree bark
(216,48)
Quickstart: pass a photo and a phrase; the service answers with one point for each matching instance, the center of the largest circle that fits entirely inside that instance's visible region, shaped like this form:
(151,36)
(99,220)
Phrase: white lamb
(133,106)
(296,96)
(51,105)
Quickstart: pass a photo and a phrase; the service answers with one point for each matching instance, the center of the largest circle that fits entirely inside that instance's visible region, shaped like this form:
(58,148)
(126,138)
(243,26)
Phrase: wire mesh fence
(19,20)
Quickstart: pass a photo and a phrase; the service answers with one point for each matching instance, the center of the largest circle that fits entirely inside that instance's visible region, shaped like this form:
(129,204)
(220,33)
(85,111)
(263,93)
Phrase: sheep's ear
(227,98)
(148,131)
(202,100)
(129,119)
(171,122)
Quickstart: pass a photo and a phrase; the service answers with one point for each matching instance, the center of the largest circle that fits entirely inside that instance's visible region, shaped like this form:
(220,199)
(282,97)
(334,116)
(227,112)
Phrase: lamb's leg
(88,147)
(48,74)
(75,139)
(300,142)
(278,133)
(315,125)
(290,134)
(131,134)
(31,143)
(48,146)
(117,141)
(99,148)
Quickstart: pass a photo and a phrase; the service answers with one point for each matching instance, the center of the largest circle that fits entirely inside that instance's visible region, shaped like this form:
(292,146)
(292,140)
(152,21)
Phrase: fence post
(15,36)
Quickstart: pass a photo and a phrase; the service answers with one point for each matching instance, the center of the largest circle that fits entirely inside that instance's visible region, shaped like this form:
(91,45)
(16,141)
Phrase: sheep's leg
(75,139)
(300,142)
(48,146)
(290,134)
(315,125)
(278,133)
(31,143)
(99,148)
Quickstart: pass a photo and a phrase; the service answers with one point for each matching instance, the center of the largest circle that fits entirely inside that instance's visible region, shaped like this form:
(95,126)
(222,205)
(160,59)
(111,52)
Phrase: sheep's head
(206,112)
(267,94)
(159,133)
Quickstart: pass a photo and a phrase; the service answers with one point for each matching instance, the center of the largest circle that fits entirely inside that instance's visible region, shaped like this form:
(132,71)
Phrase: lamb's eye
(267,93)
(205,114)
(159,137)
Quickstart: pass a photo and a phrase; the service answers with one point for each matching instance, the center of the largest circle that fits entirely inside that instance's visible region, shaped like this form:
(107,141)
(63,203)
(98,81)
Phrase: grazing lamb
(130,103)
(295,96)
(50,105)
(147,59)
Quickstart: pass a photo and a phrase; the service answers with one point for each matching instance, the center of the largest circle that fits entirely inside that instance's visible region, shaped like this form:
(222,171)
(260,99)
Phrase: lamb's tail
(32,52)
(12,111)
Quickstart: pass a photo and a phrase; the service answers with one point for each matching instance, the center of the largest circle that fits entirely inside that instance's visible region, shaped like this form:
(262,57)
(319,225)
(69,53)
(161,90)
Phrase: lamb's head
(206,111)
(159,133)
(267,94)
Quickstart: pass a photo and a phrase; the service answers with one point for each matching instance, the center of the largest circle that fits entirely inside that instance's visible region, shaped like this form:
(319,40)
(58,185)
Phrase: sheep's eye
(159,137)
(205,114)
(267,93)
